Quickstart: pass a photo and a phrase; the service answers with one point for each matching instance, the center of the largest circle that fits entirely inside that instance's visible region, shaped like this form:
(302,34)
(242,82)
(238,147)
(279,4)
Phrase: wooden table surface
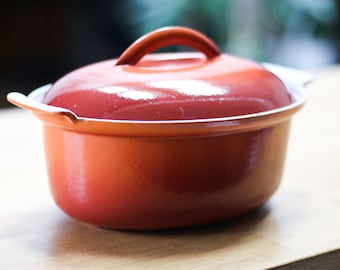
(299,228)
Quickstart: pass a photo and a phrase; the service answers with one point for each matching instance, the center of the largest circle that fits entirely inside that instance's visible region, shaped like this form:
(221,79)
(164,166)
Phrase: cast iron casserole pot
(165,140)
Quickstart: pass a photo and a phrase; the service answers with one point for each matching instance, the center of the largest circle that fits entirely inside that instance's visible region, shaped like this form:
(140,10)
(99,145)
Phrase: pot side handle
(290,76)
(30,104)
(166,36)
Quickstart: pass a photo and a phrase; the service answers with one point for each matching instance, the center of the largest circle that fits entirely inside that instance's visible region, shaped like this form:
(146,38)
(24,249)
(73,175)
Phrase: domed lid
(169,86)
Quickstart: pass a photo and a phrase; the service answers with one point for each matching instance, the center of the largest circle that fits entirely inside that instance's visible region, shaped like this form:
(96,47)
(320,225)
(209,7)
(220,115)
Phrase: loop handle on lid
(167,36)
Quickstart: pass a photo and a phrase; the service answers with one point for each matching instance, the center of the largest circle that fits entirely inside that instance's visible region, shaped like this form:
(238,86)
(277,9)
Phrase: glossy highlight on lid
(191,87)
(129,93)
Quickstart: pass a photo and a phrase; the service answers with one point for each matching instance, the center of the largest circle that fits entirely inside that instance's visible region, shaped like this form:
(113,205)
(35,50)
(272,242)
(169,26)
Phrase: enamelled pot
(164,140)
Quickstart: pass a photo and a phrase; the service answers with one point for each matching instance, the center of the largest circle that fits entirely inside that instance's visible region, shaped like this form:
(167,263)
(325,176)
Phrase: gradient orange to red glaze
(153,183)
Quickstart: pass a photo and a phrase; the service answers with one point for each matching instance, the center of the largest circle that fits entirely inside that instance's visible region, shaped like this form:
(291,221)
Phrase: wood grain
(298,228)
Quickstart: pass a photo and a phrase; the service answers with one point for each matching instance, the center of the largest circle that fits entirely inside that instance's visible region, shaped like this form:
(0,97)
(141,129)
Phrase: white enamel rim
(293,79)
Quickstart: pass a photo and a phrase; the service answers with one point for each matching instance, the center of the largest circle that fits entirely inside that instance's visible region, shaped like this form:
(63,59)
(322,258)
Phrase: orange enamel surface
(148,183)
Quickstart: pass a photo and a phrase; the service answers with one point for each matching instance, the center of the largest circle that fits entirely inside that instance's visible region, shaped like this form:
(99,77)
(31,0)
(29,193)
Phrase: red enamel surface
(187,87)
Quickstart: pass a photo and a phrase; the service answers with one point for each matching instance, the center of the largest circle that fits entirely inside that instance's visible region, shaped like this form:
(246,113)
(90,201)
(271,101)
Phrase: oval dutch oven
(151,141)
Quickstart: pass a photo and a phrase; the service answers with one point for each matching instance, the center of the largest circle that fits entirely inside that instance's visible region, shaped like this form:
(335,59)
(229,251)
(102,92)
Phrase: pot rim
(293,79)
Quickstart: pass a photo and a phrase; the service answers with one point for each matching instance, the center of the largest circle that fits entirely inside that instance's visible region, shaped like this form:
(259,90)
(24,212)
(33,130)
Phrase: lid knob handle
(166,36)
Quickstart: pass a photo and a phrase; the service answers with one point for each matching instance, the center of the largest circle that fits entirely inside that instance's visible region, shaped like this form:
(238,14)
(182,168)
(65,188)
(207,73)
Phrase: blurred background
(42,40)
